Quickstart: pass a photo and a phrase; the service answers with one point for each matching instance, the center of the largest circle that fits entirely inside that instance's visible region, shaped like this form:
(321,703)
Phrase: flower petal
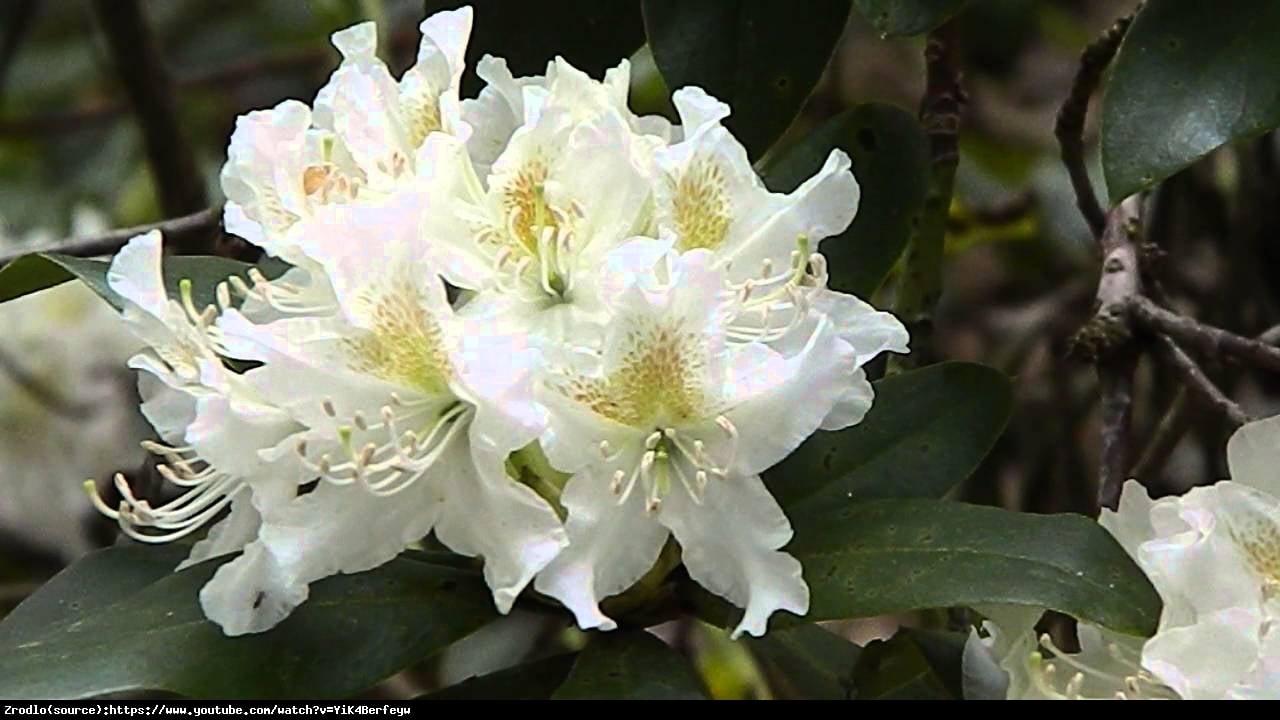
(1253,456)
(611,546)
(809,384)
(730,544)
(485,513)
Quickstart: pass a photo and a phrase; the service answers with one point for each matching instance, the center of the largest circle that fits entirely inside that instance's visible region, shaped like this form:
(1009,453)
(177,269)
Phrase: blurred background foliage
(1019,273)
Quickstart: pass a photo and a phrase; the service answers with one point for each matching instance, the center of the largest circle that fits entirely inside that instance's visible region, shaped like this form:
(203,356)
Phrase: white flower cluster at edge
(1213,555)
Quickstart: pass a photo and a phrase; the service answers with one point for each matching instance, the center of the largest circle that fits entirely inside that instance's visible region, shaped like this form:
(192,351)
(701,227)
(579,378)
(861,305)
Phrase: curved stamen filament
(389,468)
(283,297)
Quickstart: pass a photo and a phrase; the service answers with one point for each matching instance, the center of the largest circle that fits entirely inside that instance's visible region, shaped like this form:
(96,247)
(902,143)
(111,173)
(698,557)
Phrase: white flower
(570,184)
(502,107)
(214,422)
(360,142)
(666,432)
(1010,661)
(1213,555)
(411,412)
(708,196)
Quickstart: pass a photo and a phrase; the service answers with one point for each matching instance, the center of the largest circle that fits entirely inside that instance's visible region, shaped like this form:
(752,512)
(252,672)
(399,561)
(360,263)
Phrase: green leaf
(891,556)
(121,620)
(926,432)
(1189,78)
(806,662)
(763,58)
(536,680)
(907,17)
(31,273)
(890,154)
(592,35)
(630,666)
(911,665)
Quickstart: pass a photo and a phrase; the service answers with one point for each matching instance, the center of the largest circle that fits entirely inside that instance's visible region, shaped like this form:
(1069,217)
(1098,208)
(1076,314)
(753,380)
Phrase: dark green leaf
(761,57)
(630,666)
(926,432)
(31,273)
(891,556)
(592,35)
(122,620)
(907,17)
(911,665)
(1189,77)
(532,681)
(891,162)
(806,662)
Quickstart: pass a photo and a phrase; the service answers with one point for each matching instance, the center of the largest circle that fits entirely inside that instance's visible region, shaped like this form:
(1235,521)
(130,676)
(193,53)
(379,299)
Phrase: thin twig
(1204,339)
(1198,383)
(921,283)
(106,244)
(1070,126)
(145,77)
(1173,425)
(37,389)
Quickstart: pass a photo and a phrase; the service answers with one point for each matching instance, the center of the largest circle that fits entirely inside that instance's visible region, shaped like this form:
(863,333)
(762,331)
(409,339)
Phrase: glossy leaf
(536,680)
(926,432)
(891,556)
(32,273)
(594,36)
(121,620)
(761,57)
(1189,78)
(890,156)
(630,666)
(911,665)
(806,662)
(907,17)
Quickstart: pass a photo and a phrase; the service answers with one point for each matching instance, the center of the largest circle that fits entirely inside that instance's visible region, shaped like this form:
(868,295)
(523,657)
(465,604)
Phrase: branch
(199,223)
(940,106)
(1070,126)
(1108,341)
(146,81)
(1198,383)
(1205,339)
(1173,425)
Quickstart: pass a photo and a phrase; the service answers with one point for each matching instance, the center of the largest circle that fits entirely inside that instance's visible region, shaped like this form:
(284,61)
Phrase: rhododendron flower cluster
(630,299)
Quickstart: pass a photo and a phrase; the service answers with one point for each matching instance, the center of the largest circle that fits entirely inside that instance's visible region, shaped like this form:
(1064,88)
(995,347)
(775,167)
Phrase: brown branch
(1107,340)
(1204,339)
(1069,128)
(921,281)
(146,81)
(1197,383)
(199,223)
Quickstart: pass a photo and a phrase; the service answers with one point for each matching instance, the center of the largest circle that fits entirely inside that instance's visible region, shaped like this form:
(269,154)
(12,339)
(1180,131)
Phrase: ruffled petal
(730,544)
(485,513)
(611,546)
